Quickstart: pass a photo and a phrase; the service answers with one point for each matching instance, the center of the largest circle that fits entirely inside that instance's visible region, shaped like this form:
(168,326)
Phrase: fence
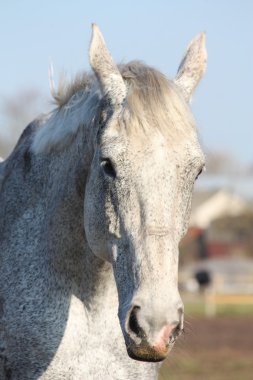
(215,296)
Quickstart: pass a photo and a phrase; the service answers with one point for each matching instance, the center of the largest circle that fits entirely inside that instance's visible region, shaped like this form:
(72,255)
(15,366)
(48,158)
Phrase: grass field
(221,364)
(197,307)
(219,348)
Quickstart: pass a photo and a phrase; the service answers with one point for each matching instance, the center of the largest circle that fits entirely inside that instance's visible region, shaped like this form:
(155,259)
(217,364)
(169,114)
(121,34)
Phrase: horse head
(139,188)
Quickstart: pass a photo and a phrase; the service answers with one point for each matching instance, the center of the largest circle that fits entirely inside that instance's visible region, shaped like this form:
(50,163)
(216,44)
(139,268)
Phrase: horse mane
(153,101)
(67,88)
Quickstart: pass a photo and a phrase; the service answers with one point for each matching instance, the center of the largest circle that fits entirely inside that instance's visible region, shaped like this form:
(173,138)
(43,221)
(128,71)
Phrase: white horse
(94,201)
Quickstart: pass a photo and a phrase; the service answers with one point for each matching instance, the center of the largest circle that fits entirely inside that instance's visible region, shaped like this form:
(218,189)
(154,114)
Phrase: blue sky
(32,32)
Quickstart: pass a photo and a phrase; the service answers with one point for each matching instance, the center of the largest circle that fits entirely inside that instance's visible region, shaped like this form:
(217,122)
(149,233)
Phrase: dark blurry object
(203,278)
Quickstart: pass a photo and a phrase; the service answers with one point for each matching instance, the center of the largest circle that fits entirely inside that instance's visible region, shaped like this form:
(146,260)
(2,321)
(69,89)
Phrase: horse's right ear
(107,72)
(192,66)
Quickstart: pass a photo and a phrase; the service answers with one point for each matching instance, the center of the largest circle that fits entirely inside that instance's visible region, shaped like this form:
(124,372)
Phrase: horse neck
(43,197)
(89,278)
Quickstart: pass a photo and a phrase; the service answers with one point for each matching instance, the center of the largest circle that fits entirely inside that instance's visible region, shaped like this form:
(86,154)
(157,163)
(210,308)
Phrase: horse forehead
(160,148)
(151,145)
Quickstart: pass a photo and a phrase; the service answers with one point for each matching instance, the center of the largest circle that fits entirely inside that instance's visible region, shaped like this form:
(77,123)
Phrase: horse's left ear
(107,72)
(192,66)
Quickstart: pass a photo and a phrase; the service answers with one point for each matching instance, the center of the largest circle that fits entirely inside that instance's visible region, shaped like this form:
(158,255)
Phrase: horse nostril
(177,330)
(133,323)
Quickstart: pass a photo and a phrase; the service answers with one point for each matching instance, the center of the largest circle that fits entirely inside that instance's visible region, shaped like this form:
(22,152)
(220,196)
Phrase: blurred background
(216,267)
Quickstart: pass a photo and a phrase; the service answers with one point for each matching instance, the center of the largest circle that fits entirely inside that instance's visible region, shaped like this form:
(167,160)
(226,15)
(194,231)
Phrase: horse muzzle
(146,339)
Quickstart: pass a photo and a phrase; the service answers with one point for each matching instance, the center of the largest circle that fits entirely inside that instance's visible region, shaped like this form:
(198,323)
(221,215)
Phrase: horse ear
(192,66)
(107,72)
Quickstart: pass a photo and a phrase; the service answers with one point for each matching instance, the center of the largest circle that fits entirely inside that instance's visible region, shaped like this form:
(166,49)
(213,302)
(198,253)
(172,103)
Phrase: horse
(95,198)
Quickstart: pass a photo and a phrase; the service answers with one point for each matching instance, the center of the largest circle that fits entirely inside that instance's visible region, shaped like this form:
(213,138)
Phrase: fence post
(210,302)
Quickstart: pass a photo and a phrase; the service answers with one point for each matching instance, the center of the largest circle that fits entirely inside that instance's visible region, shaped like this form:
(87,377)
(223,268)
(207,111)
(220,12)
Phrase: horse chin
(146,353)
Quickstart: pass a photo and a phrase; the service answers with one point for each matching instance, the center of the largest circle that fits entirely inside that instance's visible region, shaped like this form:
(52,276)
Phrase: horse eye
(201,170)
(108,168)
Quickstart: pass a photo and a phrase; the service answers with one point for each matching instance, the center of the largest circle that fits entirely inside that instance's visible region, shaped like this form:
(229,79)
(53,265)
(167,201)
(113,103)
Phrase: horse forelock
(153,101)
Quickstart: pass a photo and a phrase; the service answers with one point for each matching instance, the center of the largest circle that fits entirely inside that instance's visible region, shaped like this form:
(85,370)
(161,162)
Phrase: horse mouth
(146,353)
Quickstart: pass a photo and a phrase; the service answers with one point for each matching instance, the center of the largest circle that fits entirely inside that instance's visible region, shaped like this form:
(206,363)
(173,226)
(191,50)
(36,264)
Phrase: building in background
(221,225)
